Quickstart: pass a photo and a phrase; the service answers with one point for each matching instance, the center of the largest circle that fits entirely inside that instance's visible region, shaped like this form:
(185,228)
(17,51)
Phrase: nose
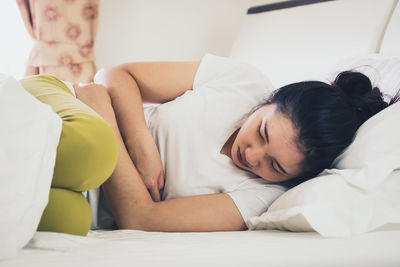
(253,155)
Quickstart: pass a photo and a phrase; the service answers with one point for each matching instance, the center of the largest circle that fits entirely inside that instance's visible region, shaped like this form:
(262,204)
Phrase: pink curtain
(64,32)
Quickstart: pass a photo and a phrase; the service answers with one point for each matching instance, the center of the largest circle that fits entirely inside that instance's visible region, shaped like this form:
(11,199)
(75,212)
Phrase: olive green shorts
(86,156)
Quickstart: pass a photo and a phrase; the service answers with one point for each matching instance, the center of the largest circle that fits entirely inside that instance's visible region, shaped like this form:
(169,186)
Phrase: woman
(223,160)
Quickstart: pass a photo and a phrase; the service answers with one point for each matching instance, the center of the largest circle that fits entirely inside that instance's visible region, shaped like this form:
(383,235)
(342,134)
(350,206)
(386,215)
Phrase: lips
(240,158)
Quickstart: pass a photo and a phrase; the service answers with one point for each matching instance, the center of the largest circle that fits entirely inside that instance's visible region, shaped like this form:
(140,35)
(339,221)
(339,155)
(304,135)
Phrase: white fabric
(70,87)
(240,248)
(293,44)
(375,150)
(391,40)
(365,193)
(28,140)
(332,207)
(191,130)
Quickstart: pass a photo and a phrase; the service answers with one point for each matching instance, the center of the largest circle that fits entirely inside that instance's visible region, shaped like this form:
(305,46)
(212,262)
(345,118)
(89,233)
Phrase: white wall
(139,30)
(15,42)
(150,30)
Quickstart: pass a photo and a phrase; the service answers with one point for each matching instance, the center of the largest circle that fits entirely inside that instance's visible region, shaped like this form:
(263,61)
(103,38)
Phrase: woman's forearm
(129,200)
(126,101)
(127,195)
(125,191)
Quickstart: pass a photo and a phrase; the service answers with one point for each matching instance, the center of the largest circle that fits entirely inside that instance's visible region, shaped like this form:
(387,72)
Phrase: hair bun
(364,98)
(353,84)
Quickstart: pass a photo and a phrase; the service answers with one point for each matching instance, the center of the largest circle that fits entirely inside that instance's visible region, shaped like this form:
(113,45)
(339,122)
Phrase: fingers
(160,181)
(155,194)
(154,189)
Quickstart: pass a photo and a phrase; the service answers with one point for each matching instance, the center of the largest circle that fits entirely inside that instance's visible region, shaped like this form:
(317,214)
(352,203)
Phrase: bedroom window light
(15,42)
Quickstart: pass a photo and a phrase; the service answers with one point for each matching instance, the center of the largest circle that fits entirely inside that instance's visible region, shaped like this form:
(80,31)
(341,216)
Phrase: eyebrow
(267,137)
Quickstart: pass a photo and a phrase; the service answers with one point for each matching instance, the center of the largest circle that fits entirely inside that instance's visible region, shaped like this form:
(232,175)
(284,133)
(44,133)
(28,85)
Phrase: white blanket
(29,135)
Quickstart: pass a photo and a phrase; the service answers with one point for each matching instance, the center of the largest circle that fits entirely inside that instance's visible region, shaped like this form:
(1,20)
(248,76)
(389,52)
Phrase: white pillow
(360,197)
(332,207)
(28,142)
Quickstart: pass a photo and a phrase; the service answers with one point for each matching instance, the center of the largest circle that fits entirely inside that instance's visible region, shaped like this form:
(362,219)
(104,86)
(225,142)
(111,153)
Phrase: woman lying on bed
(215,152)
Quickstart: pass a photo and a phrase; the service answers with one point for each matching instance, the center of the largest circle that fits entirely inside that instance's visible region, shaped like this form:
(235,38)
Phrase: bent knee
(98,150)
(66,212)
(86,155)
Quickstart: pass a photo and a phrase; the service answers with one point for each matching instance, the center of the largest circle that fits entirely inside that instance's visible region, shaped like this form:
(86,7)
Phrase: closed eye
(266,139)
(259,132)
(266,131)
(273,168)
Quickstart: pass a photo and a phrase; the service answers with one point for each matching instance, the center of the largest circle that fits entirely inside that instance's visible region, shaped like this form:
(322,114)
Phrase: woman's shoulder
(223,72)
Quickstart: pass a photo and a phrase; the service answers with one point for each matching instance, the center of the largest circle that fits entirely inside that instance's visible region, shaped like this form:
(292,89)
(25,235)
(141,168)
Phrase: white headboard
(391,42)
(299,43)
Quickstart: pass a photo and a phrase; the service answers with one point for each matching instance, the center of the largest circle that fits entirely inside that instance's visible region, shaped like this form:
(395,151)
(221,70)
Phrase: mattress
(246,248)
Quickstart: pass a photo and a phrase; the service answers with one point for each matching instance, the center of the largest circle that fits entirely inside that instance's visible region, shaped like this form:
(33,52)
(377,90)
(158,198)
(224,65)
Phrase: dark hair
(327,116)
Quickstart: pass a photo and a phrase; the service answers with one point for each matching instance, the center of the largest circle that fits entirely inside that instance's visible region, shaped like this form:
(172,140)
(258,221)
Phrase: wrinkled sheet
(247,248)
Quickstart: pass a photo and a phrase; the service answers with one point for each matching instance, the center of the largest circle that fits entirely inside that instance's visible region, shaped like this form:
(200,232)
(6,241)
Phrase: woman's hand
(147,161)
(142,149)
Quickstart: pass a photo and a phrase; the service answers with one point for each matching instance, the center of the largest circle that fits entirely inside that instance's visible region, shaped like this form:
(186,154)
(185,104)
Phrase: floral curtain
(64,32)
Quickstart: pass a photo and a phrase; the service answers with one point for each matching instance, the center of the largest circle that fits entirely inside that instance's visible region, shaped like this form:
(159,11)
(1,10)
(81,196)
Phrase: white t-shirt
(191,130)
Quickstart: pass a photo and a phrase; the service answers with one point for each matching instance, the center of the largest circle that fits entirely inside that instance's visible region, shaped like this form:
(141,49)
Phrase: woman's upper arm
(160,82)
(213,212)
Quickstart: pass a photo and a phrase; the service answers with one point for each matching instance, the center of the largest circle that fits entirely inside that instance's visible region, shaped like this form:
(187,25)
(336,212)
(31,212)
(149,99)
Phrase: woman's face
(265,145)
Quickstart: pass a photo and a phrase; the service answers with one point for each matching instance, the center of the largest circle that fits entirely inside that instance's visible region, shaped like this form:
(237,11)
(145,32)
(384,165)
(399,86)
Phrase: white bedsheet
(249,248)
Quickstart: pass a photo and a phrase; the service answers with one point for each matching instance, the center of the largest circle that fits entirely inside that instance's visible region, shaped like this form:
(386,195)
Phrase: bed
(249,248)
(285,52)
